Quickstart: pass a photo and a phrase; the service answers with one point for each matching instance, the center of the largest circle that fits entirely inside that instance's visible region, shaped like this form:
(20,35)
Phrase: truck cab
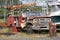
(37,20)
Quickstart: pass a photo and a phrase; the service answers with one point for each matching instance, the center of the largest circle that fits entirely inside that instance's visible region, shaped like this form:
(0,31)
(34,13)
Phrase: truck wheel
(29,29)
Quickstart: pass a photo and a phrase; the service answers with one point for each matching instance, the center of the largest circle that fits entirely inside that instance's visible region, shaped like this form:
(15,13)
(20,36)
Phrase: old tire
(29,29)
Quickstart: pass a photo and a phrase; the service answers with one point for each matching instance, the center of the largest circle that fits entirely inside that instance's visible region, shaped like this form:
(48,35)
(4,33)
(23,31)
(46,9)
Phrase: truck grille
(42,22)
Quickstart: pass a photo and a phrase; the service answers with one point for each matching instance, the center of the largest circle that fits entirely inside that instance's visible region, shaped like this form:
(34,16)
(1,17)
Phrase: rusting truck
(29,20)
(36,21)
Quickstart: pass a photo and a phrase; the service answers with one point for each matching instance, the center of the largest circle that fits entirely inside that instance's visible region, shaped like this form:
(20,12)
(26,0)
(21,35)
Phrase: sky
(59,0)
(38,2)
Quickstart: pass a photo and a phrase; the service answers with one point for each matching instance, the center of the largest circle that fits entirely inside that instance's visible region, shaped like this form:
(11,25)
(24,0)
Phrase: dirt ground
(4,35)
(23,36)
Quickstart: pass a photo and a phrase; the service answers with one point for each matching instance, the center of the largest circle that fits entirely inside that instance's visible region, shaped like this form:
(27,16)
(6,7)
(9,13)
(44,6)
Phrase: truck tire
(29,29)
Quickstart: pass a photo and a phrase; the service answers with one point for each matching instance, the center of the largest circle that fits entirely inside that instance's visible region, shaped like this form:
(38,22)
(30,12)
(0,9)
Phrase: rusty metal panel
(10,20)
(19,21)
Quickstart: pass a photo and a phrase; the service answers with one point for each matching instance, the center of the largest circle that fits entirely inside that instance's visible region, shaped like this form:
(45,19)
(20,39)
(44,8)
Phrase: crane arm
(18,6)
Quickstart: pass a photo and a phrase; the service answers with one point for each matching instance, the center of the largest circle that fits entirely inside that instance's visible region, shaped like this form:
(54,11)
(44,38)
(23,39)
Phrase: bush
(1,17)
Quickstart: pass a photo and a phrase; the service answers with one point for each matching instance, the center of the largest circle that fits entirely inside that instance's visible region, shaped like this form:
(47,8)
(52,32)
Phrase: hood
(57,13)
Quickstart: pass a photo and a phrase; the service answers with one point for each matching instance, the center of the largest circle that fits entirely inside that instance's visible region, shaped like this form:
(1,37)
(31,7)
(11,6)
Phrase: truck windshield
(34,13)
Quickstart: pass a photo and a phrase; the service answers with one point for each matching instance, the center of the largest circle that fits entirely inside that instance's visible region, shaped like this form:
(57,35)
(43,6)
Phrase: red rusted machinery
(11,20)
(29,22)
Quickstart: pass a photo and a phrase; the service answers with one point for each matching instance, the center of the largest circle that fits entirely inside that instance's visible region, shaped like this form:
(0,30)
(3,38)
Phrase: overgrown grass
(2,20)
